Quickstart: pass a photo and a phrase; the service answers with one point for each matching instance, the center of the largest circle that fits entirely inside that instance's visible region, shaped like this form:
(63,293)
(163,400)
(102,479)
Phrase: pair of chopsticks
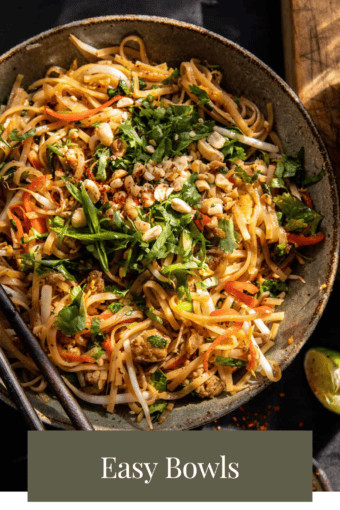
(15,390)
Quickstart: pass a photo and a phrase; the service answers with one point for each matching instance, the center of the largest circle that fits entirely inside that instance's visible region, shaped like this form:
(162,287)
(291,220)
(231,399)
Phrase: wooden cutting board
(311,41)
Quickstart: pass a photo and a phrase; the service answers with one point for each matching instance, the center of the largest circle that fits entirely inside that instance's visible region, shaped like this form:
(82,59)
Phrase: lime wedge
(322,368)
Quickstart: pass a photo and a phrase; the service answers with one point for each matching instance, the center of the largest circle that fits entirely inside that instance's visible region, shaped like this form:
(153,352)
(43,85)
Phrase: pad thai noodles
(149,225)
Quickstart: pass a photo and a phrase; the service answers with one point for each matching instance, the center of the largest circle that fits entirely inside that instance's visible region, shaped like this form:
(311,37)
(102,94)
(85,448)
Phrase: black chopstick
(18,395)
(65,397)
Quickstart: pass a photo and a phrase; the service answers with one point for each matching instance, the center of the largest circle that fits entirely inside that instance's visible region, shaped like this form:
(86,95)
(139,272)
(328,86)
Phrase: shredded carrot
(19,231)
(39,224)
(74,116)
(68,356)
(252,357)
(218,340)
(236,289)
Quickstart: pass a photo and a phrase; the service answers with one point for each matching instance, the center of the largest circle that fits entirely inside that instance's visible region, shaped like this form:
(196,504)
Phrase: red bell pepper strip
(202,221)
(74,116)
(307,199)
(218,340)
(236,289)
(178,363)
(264,310)
(301,240)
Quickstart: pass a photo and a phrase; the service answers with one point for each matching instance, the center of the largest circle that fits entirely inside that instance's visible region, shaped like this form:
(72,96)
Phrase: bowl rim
(245,396)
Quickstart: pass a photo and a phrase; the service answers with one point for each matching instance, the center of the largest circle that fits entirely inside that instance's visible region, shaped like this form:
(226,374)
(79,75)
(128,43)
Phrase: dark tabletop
(256,25)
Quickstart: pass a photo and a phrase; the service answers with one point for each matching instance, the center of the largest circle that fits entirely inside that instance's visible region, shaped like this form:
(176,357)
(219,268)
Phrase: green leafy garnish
(122,89)
(274,287)
(185,306)
(159,380)
(72,318)
(102,154)
(57,221)
(96,337)
(157,341)
(16,137)
(233,150)
(309,180)
(174,75)
(229,242)
(115,307)
(150,313)
(229,362)
(157,409)
(202,96)
(207,283)
(189,192)
(244,176)
(44,266)
(297,216)
(91,215)
(173,129)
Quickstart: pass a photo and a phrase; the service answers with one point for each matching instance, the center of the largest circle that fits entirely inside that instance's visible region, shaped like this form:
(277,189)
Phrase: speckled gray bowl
(173,41)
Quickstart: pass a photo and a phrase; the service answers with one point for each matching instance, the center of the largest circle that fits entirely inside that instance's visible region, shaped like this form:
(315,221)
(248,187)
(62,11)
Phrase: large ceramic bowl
(173,41)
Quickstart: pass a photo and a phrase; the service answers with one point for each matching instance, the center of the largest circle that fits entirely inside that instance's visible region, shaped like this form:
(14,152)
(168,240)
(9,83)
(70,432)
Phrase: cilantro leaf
(202,96)
(157,341)
(116,290)
(189,192)
(174,75)
(72,318)
(229,242)
(297,215)
(233,149)
(159,380)
(309,180)
(115,307)
(156,318)
(157,409)
(244,176)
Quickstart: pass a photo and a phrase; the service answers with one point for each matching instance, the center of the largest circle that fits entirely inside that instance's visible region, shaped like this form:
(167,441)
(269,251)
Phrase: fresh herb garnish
(72,318)
(244,176)
(174,75)
(159,380)
(14,135)
(274,287)
(229,242)
(157,341)
(202,96)
(157,409)
(96,338)
(229,362)
(115,307)
(297,216)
